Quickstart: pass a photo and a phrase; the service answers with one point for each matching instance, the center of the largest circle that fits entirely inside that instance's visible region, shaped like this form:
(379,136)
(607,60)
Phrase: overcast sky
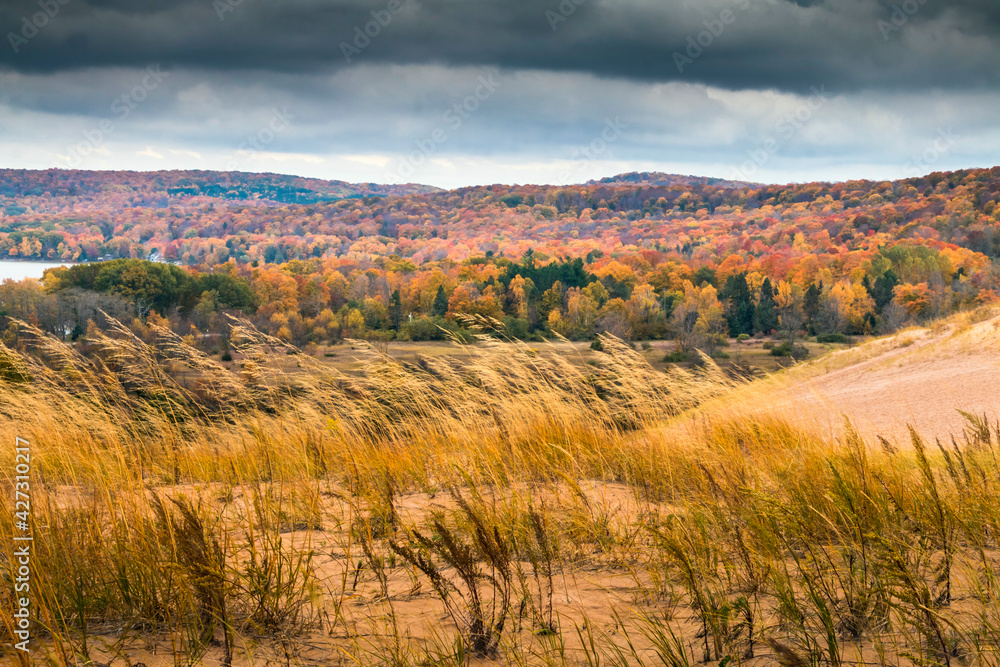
(461,92)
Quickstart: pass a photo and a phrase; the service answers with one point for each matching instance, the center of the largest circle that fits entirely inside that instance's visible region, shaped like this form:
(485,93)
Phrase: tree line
(633,296)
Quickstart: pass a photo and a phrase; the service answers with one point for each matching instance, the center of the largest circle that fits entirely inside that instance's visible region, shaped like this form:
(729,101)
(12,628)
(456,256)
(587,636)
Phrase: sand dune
(918,377)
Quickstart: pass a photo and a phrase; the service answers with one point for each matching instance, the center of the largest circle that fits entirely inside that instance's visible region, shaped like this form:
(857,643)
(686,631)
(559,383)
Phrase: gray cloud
(367,123)
(894,74)
(769,44)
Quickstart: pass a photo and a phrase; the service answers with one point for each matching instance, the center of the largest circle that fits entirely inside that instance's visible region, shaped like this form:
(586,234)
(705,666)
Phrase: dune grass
(496,505)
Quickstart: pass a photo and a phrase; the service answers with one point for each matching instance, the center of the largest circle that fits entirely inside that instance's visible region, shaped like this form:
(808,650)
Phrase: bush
(597,345)
(424,328)
(675,357)
(226,356)
(742,337)
(833,338)
(515,327)
(786,350)
(646,346)
(434,328)
(768,346)
(463,335)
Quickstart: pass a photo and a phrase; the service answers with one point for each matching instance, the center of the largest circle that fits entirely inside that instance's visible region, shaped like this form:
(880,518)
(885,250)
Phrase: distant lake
(19,270)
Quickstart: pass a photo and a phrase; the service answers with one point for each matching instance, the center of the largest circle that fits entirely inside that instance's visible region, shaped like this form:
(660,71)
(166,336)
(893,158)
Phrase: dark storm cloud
(892,74)
(781,44)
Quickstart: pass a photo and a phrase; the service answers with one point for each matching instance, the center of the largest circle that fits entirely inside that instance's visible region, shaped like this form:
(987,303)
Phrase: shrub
(597,345)
(515,327)
(786,350)
(675,357)
(434,328)
(833,338)
(424,328)
(742,337)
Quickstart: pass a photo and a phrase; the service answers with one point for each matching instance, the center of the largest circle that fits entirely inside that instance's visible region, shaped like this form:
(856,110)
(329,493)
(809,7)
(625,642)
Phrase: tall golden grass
(499,504)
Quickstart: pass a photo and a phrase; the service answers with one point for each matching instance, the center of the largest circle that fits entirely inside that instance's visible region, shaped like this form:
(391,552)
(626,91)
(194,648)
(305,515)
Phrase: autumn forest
(640,255)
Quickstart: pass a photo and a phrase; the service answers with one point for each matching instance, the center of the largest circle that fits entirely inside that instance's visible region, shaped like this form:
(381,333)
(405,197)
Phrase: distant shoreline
(24,269)
(38,261)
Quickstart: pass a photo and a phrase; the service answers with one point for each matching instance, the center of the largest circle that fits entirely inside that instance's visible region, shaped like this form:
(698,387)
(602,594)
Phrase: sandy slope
(920,377)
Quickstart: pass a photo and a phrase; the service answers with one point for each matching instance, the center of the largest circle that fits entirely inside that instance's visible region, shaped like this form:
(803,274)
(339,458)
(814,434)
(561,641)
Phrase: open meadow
(501,503)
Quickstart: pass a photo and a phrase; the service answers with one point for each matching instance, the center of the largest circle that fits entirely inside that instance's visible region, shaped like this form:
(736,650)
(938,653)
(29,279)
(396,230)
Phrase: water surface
(19,270)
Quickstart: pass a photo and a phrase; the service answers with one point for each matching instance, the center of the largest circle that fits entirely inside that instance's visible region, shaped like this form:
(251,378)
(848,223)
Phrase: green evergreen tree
(766,316)
(883,290)
(704,274)
(810,303)
(395,310)
(440,307)
(740,307)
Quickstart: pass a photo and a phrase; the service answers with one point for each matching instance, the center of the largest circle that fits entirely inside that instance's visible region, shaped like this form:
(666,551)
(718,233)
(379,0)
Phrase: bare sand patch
(919,378)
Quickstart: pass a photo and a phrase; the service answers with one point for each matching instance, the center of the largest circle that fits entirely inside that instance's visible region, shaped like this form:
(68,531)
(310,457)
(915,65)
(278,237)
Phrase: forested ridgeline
(640,255)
